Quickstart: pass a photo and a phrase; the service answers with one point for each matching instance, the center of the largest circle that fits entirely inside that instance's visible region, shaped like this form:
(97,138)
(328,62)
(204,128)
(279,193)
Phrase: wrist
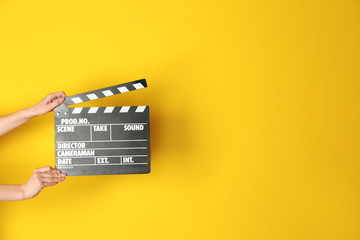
(23,191)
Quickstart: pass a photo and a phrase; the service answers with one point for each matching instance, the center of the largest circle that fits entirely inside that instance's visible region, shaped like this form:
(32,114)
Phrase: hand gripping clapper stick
(102,140)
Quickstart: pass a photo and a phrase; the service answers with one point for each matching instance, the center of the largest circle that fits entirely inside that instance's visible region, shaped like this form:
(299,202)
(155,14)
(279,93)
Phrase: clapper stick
(102,140)
(99,93)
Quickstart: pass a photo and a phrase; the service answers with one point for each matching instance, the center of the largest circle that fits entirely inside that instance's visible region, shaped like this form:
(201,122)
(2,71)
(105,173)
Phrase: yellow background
(254,117)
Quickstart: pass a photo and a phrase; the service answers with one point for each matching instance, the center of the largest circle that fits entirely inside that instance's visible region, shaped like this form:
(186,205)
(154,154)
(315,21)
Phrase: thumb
(56,102)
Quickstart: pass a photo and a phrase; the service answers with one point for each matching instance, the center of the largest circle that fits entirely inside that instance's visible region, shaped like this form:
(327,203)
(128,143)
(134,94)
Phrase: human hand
(48,103)
(40,178)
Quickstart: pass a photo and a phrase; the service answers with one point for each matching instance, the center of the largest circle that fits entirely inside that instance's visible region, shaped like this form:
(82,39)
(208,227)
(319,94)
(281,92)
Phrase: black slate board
(102,140)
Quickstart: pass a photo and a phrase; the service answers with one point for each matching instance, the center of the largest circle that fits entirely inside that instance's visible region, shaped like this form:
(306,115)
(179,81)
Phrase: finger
(43,169)
(50,174)
(48,184)
(50,97)
(45,175)
(57,172)
(61,94)
(60,173)
(56,102)
(53,96)
(52,179)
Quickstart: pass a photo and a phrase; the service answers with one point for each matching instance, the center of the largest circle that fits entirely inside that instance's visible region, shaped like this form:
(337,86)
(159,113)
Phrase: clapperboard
(102,140)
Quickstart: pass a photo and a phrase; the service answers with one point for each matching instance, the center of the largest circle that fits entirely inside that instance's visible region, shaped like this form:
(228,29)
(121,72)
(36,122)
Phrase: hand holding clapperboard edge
(102,140)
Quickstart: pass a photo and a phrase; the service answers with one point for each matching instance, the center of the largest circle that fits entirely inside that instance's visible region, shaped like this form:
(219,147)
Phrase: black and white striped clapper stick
(102,140)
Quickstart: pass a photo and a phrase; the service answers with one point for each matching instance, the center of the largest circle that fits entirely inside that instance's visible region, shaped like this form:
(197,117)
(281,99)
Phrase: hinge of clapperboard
(63,110)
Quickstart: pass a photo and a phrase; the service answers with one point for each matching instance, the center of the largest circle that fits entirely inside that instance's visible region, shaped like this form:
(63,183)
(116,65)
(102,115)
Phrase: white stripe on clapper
(140,109)
(138,85)
(124,109)
(110,133)
(92,96)
(107,93)
(123,89)
(93,109)
(77,110)
(109,109)
(77,100)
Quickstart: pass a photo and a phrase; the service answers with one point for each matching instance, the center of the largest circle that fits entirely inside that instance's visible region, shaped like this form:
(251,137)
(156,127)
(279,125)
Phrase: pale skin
(40,177)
